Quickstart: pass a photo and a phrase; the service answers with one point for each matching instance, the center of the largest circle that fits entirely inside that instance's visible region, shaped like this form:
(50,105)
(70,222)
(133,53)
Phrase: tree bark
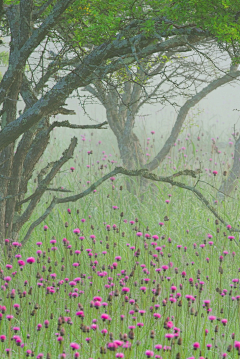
(231,181)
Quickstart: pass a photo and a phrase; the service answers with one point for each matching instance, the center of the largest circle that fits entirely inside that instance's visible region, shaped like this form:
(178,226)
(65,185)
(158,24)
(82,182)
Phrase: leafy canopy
(93,22)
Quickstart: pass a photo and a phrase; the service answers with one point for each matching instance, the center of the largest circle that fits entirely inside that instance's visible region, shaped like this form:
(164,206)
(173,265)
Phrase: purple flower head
(76,231)
(74,346)
(31,260)
(149,353)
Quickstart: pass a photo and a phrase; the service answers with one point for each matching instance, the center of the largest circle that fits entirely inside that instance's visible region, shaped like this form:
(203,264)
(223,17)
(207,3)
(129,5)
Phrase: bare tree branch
(67,154)
(85,73)
(30,45)
(40,11)
(183,113)
(120,170)
(71,125)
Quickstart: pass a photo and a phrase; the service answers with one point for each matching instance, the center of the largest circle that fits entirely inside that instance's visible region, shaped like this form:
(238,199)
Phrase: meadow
(111,276)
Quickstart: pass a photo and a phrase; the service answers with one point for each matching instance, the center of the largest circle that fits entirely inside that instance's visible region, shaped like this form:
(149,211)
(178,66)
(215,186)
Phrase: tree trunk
(231,182)
(132,156)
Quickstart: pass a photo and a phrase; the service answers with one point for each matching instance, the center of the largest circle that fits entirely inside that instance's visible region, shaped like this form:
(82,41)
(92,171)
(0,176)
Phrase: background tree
(125,92)
(24,138)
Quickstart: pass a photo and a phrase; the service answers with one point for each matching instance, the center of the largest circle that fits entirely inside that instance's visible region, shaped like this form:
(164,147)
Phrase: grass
(136,290)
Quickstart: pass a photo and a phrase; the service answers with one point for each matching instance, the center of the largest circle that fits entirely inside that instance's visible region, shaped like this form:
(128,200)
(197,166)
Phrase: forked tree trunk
(132,156)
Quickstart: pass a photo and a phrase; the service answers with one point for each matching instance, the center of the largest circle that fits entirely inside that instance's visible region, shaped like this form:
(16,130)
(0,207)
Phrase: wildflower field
(119,275)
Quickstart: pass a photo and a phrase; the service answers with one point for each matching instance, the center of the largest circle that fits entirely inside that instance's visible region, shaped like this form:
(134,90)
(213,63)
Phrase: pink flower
(104,317)
(196,345)
(3,338)
(169,336)
(31,260)
(237,345)
(149,353)
(80,314)
(212,318)
(164,267)
(125,290)
(74,346)
(76,231)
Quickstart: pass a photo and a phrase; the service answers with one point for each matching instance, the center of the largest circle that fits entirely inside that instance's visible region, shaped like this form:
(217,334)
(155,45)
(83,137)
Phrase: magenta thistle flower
(74,346)
(169,336)
(31,260)
(212,318)
(80,314)
(237,345)
(149,353)
(169,324)
(164,267)
(76,231)
(104,317)
(3,338)
(196,345)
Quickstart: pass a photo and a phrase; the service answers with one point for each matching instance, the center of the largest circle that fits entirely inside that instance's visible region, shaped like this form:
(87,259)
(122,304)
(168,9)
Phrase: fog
(215,115)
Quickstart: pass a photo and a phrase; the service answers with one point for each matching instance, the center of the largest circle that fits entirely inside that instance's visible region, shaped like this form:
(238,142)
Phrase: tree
(30,24)
(116,33)
(123,98)
(123,94)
